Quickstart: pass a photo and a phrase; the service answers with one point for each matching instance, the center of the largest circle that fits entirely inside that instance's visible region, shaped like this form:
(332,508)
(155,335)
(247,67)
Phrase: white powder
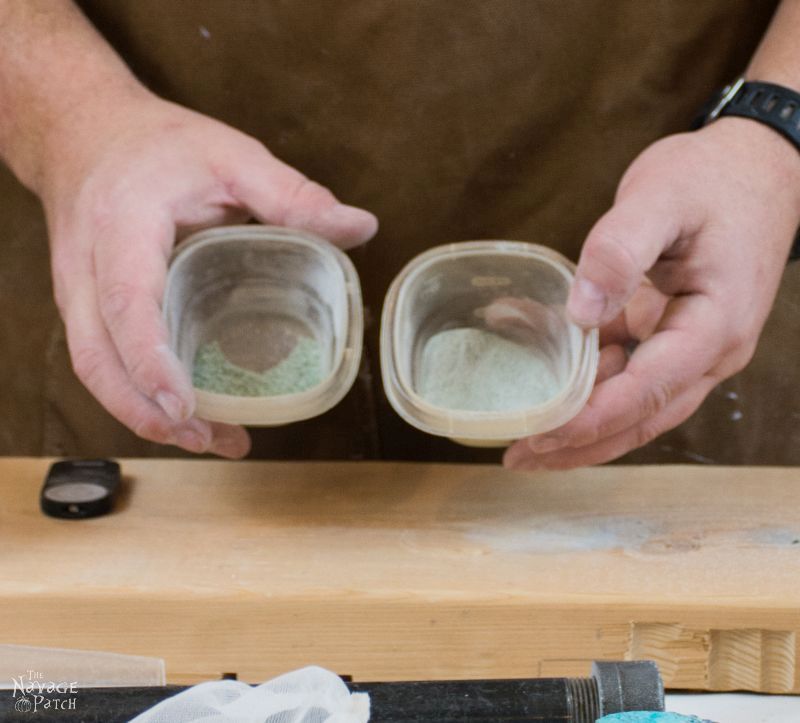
(475,370)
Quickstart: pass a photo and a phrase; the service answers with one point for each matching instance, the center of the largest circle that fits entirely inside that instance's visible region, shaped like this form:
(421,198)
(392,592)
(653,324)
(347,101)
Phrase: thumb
(277,193)
(621,247)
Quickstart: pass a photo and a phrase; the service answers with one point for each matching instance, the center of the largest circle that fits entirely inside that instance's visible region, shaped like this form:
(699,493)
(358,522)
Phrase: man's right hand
(122,174)
(119,194)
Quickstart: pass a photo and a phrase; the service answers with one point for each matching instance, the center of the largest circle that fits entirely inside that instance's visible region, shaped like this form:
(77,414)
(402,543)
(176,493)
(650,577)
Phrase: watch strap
(771,104)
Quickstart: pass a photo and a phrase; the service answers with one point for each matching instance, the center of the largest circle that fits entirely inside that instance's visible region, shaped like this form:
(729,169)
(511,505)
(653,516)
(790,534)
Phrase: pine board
(390,571)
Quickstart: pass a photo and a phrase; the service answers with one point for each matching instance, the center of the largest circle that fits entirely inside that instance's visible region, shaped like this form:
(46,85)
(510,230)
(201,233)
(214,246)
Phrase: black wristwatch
(767,103)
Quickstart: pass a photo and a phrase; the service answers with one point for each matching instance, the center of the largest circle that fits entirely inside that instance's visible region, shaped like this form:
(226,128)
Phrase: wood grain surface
(404,571)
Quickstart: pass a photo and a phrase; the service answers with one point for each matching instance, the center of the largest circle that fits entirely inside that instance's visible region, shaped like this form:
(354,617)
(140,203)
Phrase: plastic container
(476,344)
(281,306)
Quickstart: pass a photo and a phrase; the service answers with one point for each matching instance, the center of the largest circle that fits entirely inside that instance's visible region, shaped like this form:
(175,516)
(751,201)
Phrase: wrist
(55,72)
(771,152)
(759,123)
(764,160)
(75,131)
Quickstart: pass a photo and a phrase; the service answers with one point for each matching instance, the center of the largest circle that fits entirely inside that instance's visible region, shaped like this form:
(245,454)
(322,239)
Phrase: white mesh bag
(309,695)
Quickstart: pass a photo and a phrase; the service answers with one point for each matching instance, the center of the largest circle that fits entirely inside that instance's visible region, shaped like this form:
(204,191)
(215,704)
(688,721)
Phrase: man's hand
(116,198)
(122,174)
(685,267)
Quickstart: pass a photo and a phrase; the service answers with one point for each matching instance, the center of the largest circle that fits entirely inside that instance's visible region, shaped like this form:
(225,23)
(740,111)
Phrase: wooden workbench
(401,571)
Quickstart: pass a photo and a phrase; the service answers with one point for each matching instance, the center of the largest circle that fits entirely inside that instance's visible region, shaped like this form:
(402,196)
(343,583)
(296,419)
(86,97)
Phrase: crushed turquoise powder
(645,717)
(300,370)
(476,370)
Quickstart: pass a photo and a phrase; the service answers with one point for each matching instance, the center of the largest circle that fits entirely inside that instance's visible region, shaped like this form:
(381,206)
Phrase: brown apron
(451,120)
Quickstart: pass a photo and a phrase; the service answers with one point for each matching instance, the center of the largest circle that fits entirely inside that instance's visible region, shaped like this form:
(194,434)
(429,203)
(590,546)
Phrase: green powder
(299,371)
(475,370)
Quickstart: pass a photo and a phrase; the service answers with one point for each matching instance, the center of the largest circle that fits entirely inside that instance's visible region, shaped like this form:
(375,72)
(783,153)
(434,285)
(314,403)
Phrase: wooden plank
(403,571)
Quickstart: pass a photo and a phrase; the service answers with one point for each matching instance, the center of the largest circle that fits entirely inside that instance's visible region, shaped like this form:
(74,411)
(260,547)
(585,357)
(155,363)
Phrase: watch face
(72,492)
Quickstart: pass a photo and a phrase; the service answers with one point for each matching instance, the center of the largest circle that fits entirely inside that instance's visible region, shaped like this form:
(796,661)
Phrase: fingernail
(228,447)
(587,303)
(192,441)
(360,225)
(525,464)
(514,456)
(545,444)
(173,407)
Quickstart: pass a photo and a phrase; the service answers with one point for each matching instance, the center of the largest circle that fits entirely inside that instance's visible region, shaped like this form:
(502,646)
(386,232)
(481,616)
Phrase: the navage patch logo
(33,693)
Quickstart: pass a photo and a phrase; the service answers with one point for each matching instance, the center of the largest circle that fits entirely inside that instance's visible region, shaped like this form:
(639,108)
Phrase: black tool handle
(615,687)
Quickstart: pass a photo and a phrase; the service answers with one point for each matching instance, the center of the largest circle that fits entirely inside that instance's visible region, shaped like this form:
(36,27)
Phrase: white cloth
(309,695)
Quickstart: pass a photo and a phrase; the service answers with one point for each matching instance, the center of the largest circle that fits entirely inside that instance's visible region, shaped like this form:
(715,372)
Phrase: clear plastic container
(268,321)
(476,344)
